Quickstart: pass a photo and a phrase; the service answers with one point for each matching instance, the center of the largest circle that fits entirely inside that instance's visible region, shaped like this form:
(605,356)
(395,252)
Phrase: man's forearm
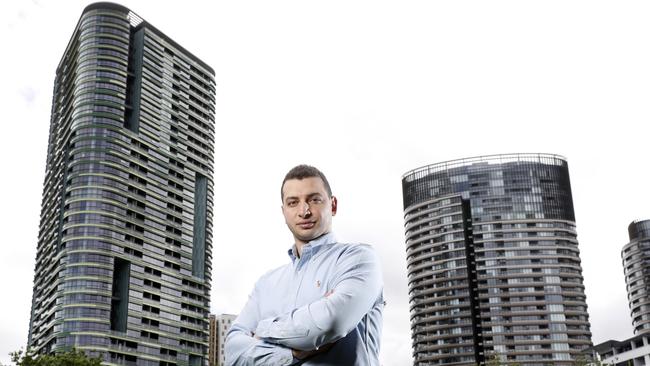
(244,350)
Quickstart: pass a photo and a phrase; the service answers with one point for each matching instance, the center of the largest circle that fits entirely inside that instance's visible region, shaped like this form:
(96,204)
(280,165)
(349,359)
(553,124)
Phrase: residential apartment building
(125,240)
(493,262)
(635,255)
(636,266)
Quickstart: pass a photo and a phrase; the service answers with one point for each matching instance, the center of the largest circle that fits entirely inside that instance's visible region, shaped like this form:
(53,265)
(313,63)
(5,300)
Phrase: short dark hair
(303,171)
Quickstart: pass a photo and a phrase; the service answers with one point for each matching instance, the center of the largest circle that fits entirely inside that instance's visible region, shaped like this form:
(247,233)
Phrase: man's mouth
(306,225)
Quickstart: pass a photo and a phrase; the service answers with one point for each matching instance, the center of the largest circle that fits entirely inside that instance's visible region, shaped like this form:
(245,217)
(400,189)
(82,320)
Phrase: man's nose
(304,209)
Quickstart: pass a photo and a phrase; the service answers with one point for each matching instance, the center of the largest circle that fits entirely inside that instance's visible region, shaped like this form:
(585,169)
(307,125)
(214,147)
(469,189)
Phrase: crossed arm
(244,349)
(355,288)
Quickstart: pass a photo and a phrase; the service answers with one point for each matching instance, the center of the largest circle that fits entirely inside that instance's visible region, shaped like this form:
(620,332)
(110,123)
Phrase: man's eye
(292,203)
(316,200)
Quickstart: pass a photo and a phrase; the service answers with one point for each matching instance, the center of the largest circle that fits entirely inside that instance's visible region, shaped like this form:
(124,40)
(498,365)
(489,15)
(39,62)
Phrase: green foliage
(494,359)
(587,361)
(70,358)
(580,361)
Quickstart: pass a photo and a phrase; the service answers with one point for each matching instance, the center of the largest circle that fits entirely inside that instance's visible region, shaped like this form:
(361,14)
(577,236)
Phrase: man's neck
(300,243)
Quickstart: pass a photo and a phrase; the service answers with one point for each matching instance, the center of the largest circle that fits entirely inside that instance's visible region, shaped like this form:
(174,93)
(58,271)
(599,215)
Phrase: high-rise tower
(124,246)
(636,266)
(493,262)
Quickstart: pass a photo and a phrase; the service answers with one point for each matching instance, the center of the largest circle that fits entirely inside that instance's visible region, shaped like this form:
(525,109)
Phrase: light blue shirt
(288,309)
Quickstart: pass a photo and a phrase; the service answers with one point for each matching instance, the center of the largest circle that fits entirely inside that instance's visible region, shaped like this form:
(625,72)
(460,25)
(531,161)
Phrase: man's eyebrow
(309,195)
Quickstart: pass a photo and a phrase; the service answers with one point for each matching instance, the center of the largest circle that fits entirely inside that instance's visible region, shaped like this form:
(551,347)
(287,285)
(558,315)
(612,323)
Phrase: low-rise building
(634,351)
(219,326)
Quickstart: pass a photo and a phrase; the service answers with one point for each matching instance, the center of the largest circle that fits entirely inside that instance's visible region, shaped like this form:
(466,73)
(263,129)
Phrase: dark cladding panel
(132,117)
(200,206)
(470,255)
(120,295)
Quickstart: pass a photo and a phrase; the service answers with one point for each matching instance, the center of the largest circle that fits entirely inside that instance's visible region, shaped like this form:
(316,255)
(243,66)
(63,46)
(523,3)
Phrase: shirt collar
(313,246)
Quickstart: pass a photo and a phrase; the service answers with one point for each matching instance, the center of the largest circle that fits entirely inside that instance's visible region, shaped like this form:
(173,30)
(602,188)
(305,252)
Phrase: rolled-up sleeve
(243,349)
(356,287)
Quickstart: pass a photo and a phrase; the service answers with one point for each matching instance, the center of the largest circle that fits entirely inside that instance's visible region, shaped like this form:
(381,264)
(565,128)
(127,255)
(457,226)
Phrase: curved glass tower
(636,265)
(493,262)
(124,247)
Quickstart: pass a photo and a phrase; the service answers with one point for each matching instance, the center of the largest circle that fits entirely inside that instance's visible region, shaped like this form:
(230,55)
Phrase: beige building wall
(219,326)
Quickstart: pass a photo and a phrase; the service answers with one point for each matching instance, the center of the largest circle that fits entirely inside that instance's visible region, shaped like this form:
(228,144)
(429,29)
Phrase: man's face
(307,208)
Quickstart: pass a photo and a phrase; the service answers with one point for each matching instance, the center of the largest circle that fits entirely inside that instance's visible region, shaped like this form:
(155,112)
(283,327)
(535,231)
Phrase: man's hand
(301,355)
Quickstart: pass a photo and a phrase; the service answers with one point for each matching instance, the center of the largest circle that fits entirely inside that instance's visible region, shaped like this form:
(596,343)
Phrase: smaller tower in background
(636,265)
(219,326)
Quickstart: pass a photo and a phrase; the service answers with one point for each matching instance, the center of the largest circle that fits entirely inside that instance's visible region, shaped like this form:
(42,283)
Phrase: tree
(494,359)
(69,358)
(581,360)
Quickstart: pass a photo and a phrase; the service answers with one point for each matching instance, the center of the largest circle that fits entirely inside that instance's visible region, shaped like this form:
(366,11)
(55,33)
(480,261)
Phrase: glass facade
(493,262)
(125,241)
(636,266)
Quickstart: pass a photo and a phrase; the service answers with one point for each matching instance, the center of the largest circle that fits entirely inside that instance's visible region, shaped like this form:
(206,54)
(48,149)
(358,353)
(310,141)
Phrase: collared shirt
(332,293)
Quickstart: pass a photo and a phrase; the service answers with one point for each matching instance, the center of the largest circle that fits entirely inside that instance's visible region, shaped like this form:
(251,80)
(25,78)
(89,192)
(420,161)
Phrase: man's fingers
(304,354)
(326,347)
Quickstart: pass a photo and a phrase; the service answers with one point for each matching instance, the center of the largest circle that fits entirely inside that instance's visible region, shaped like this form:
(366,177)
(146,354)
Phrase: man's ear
(334,205)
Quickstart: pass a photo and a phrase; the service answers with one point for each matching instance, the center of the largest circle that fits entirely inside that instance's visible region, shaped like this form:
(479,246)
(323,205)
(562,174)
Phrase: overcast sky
(365,90)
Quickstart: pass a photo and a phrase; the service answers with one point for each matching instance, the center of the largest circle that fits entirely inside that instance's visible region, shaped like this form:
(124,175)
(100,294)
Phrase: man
(323,308)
